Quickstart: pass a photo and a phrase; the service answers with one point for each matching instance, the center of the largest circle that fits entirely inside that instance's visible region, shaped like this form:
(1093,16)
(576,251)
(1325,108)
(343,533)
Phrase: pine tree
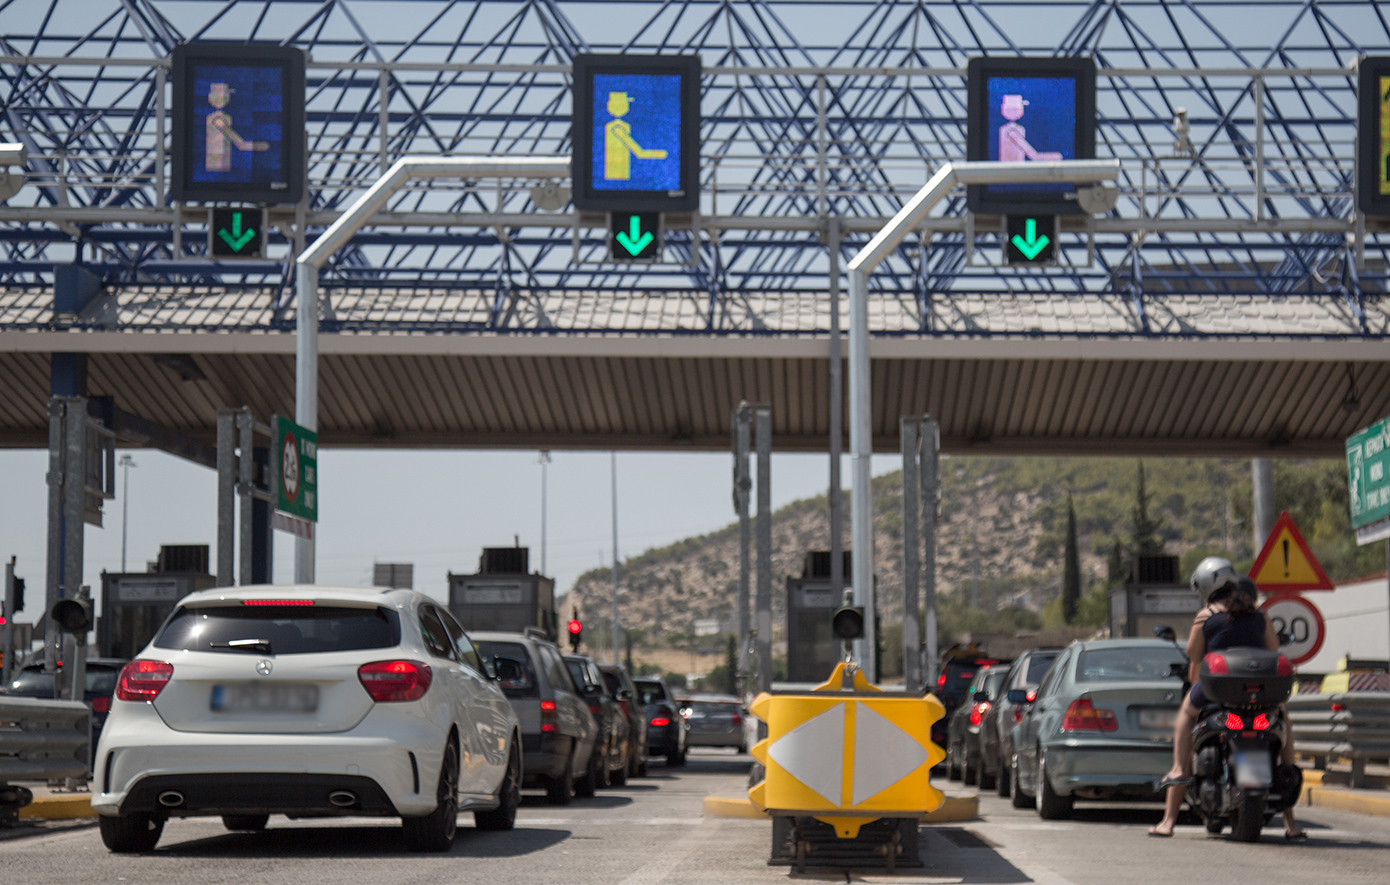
(1071,568)
(1146,539)
(1115,564)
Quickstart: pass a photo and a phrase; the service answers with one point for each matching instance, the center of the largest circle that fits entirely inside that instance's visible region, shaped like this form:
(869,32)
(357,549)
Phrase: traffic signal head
(72,615)
(576,632)
(847,622)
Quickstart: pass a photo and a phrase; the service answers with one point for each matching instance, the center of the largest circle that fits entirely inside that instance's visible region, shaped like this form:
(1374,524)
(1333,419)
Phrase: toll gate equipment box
(1155,594)
(135,604)
(811,599)
(504,594)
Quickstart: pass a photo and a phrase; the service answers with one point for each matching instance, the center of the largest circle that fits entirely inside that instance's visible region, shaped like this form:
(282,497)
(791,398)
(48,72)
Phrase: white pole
(616,640)
(126,462)
(544,460)
(306,390)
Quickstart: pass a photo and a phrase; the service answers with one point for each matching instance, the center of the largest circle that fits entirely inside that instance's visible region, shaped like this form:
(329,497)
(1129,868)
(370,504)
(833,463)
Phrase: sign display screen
(636,125)
(1029,110)
(238,123)
(1373,136)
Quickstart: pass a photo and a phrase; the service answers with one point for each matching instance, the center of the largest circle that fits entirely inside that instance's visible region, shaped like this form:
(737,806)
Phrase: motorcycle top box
(1247,678)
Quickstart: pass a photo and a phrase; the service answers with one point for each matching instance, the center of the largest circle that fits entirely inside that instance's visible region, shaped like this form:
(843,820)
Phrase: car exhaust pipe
(343,798)
(171,798)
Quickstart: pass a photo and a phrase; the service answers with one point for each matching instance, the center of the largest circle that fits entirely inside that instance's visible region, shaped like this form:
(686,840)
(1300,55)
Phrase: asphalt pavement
(654,831)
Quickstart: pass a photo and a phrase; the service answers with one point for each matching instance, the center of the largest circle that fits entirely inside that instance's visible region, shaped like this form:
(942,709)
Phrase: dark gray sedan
(996,731)
(1101,726)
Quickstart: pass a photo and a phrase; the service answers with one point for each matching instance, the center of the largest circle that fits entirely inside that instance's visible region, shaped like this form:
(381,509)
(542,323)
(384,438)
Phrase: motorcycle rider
(1228,619)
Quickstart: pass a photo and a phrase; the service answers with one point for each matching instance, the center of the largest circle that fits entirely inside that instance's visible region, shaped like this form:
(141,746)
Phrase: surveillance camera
(12,153)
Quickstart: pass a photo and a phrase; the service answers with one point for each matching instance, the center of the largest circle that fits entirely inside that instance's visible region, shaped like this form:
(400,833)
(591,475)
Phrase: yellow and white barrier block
(847,757)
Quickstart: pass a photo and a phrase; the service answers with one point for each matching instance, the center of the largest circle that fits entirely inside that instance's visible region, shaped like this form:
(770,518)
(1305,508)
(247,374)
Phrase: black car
(966,725)
(996,735)
(666,727)
(102,673)
(952,686)
(621,687)
(608,762)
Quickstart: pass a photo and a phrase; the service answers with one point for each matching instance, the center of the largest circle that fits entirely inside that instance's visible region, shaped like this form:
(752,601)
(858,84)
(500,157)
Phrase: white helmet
(1212,573)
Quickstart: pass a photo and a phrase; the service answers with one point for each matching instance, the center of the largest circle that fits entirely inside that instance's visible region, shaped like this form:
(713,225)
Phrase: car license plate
(265,698)
(1164,718)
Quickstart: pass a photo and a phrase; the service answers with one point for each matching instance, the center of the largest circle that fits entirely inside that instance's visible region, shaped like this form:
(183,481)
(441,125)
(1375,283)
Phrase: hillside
(1000,539)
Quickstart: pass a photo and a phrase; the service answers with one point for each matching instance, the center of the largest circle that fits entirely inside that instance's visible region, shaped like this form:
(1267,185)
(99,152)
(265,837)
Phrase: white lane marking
(612,822)
(675,857)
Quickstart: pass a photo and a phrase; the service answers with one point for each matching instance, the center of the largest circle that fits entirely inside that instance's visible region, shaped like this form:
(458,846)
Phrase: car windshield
(1037,666)
(1145,664)
(518,680)
(34,683)
(650,693)
(280,629)
(615,684)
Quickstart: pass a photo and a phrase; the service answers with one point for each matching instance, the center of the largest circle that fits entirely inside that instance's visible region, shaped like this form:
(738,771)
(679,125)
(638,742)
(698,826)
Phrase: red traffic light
(575,627)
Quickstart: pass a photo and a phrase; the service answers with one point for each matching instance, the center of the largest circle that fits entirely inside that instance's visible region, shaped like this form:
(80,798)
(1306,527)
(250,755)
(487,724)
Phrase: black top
(1222,630)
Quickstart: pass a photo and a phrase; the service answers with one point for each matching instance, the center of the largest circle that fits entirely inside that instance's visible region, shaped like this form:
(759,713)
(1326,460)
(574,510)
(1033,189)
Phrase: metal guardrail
(40,740)
(1354,725)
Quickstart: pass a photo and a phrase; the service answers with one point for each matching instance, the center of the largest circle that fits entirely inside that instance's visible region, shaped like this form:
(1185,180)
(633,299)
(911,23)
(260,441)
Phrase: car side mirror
(1163,631)
(1018,696)
(592,691)
(624,695)
(489,669)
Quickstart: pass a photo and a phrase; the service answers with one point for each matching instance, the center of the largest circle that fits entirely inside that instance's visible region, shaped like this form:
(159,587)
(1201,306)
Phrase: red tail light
(596,708)
(1285,668)
(1031,696)
(941,680)
(1216,664)
(736,720)
(1262,722)
(660,722)
(549,717)
(143,680)
(978,711)
(1018,715)
(277,602)
(1234,722)
(101,704)
(1081,716)
(395,680)
(1337,708)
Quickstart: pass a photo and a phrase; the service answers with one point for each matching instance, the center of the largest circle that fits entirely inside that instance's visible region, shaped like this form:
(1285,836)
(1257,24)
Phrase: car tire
(675,758)
(250,823)
(1020,799)
(130,833)
(1050,805)
(642,765)
(618,777)
(503,817)
(987,780)
(560,790)
(1004,786)
(969,773)
(435,831)
(953,772)
(595,775)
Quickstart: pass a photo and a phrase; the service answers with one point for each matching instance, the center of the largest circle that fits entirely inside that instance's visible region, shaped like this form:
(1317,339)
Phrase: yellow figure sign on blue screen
(619,147)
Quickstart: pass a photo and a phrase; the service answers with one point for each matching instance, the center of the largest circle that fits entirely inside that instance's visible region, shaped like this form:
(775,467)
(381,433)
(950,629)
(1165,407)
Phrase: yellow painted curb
(57,808)
(954,810)
(1312,777)
(1346,800)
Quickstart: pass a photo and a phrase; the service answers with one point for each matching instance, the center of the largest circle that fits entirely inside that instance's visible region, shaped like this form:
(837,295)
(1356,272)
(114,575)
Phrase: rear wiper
(261,645)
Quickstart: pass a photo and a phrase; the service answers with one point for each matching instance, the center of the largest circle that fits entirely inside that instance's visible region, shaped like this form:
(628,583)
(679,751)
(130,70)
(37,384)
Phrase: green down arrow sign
(232,234)
(634,235)
(238,238)
(1026,244)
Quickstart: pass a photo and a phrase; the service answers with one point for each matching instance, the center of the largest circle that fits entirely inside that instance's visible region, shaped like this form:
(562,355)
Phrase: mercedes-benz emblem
(264,667)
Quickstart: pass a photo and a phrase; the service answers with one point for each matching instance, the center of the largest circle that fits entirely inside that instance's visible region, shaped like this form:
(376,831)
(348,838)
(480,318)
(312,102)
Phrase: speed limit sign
(1300,619)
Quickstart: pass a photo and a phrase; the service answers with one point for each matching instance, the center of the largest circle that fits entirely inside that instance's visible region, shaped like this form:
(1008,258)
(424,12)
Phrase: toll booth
(812,650)
(504,594)
(1155,594)
(135,604)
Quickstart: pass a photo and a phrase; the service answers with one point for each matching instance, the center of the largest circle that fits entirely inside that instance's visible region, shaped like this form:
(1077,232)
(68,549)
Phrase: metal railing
(40,740)
(1353,725)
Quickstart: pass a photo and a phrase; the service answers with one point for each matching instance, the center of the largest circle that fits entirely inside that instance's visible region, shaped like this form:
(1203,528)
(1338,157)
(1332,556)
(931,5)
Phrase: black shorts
(1196,697)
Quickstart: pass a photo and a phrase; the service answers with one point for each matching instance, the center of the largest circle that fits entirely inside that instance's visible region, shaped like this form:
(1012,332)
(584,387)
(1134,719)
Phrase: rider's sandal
(1171,782)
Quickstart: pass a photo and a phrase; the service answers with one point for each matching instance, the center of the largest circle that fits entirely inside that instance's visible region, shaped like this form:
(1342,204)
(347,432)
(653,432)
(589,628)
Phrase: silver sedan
(1101,726)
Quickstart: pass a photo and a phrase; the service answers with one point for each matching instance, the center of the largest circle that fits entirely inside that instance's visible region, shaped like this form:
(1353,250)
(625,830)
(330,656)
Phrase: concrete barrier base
(58,808)
(955,809)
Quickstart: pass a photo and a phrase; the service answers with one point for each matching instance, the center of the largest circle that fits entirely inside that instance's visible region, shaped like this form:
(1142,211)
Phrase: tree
(1071,568)
(1146,538)
(1115,562)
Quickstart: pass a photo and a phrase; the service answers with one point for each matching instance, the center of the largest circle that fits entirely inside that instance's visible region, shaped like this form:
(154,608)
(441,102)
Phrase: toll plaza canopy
(1230,302)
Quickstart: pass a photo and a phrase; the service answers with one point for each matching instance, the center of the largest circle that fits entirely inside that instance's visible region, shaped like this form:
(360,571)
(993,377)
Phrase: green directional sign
(236,233)
(1368,474)
(634,236)
(1030,240)
(296,463)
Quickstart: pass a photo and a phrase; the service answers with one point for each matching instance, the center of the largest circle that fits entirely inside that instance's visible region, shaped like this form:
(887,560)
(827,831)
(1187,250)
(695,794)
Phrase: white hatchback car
(307,701)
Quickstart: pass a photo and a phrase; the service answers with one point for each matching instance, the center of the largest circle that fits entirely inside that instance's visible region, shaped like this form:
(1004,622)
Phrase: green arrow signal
(238,238)
(634,240)
(1035,242)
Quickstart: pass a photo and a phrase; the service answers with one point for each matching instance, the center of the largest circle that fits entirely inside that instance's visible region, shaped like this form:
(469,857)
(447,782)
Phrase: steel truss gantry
(812,110)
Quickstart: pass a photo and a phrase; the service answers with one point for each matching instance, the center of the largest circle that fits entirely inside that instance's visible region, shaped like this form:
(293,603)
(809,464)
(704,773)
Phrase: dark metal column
(837,409)
(763,421)
(907,429)
(930,444)
(262,529)
(246,443)
(743,484)
(226,497)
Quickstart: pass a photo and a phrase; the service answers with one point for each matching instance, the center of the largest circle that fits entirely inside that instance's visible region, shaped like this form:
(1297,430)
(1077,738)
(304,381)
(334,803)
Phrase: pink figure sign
(1013,141)
(220,134)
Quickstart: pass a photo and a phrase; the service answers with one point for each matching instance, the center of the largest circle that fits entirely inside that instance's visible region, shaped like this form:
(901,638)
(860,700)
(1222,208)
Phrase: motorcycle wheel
(1250,818)
(1215,825)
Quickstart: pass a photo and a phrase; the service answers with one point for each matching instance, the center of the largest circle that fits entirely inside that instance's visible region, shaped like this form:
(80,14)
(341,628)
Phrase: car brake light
(596,708)
(1081,716)
(143,680)
(277,602)
(1216,664)
(1261,722)
(548,717)
(101,704)
(1285,668)
(978,711)
(941,680)
(1337,708)
(736,720)
(1018,715)
(1234,722)
(1031,696)
(660,722)
(395,680)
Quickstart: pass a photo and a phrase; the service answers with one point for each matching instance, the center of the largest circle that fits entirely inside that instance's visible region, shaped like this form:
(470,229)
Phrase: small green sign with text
(296,469)
(1368,474)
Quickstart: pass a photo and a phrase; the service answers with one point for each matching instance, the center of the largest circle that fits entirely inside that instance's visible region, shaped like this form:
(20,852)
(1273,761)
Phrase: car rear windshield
(615,684)
(958,679)
(38,684)
(280,630)
(711,708)
(1037,667)
(1127,664)
(649,692)
(518,681)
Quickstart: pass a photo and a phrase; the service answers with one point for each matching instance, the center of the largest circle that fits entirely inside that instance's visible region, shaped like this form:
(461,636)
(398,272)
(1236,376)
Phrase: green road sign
(1030,239)
(1368,474)
(634,236)
(236,233)
(296,457)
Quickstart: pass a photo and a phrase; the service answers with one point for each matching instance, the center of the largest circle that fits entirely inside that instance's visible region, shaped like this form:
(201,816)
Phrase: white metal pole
(617,641)
(127,462)
(306,390)
(544,460)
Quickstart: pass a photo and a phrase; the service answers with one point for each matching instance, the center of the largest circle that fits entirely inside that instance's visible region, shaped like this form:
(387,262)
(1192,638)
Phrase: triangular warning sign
(1286,564)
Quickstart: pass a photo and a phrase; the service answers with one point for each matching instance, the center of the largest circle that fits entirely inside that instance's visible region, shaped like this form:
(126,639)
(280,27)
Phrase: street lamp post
(126,463)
